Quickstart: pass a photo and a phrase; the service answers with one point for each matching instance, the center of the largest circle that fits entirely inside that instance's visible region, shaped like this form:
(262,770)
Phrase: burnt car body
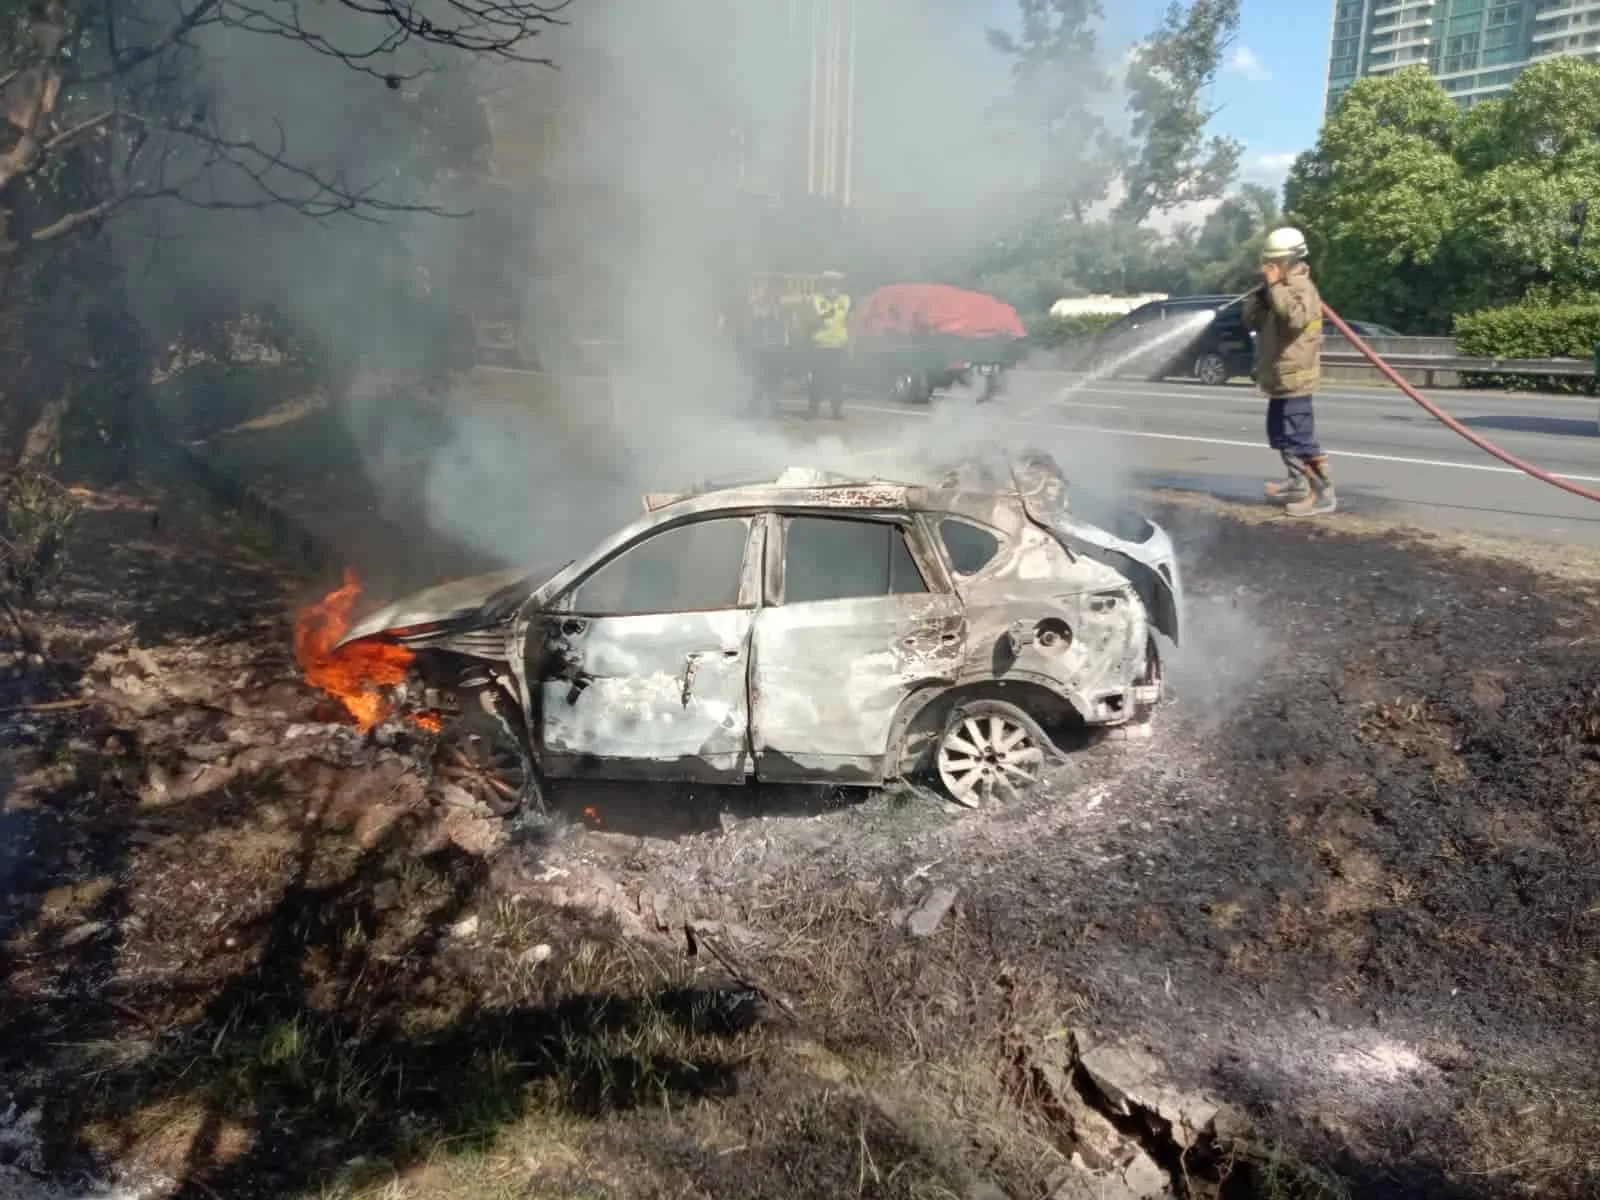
(810,629)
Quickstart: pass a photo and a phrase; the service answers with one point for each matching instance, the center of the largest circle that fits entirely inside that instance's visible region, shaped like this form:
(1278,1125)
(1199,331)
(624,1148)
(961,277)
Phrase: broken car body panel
(793,629)
(446,604)
(831,669)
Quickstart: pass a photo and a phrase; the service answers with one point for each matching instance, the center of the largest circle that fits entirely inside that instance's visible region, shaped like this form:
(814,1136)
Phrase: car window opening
(687,568)
(969,547)
(837,559)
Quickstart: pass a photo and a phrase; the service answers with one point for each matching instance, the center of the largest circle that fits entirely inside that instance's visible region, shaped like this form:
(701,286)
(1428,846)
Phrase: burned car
(810,629)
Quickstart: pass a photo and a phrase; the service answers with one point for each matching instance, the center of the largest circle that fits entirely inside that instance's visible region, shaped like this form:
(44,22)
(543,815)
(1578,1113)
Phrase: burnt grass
(1351,887)
(1387,830)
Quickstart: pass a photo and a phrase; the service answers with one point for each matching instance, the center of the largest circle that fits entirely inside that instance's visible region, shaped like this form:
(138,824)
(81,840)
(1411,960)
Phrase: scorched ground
(1350,886)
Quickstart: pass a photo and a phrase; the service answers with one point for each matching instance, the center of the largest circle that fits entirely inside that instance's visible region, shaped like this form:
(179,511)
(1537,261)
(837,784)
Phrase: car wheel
(480,759)
(1151,677)
(990,751)
(1211,369)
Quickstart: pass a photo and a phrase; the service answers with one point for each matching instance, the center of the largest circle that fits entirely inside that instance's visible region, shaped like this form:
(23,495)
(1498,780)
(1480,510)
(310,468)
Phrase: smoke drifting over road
(625,196)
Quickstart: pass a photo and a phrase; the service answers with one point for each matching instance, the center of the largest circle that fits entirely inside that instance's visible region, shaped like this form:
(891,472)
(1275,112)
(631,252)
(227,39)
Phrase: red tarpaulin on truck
(934,309)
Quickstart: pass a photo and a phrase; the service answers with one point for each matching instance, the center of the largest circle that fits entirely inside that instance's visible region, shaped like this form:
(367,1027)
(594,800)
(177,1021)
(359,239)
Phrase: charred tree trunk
(41,444)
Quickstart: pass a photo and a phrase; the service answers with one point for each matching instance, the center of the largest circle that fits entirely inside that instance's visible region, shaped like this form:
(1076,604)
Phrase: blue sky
(1271,90)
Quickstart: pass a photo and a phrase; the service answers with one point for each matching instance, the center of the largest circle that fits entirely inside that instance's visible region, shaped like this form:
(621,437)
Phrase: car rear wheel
(990,752)
(911,388)
(1211,369)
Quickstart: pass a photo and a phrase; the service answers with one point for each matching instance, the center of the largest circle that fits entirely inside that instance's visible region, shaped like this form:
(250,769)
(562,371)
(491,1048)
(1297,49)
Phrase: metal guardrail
(1463,364)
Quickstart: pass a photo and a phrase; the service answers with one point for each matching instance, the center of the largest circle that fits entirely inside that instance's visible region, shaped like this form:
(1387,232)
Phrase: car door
(1234,341)
(642,665)
(858,614)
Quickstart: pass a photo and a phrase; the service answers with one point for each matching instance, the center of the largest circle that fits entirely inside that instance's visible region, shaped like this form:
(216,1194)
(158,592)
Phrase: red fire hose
(1447,420)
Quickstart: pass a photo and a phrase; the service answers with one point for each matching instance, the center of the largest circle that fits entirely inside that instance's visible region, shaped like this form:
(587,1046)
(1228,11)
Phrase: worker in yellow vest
(830,344)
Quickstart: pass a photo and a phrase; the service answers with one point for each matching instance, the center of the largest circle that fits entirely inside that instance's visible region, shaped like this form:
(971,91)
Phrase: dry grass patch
(1523,1131)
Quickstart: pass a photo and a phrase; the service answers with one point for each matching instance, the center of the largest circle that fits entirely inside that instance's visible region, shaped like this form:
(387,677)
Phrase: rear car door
(859,612)
(642,665)
(1233,340)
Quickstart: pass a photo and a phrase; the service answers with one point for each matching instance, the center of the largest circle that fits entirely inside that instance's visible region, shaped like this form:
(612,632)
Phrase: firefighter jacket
(1287,320)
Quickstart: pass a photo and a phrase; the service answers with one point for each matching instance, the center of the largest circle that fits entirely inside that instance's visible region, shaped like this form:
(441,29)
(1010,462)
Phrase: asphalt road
(1389,457)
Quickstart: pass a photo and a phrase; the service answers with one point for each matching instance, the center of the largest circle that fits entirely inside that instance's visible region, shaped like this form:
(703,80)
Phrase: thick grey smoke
(625,211)
(666,123)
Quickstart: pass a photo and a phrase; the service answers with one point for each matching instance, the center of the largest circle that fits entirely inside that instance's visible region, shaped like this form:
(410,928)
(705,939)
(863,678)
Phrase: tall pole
(811,108)
(831,90)
(850,108)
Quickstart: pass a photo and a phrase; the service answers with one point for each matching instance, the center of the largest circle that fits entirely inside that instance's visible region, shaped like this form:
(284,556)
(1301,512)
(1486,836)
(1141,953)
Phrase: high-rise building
(1475,48)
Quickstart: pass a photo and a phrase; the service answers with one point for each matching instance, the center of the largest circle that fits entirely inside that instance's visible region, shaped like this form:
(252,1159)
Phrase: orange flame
(353,674)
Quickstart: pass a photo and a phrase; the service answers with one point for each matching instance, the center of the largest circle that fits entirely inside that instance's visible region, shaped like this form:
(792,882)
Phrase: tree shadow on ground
(375,1006)
(245,987)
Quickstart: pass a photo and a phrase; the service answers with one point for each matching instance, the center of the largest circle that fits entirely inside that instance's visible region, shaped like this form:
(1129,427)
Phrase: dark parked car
(1167,337)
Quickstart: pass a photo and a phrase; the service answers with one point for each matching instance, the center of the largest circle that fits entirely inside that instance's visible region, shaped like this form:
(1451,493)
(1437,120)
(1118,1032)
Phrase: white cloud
(1243,61)
(1270,169)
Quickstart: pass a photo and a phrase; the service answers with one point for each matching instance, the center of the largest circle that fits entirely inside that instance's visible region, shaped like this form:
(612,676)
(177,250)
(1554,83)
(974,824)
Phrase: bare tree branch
(483,28)
(65,225)
(56,141)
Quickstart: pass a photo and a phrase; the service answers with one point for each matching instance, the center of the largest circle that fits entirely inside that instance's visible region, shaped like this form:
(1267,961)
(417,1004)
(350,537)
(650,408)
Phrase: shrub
(36,515)
(1046,332)
(1529,331)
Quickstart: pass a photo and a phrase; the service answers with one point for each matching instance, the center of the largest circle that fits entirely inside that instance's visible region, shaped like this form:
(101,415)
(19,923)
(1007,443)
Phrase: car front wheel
(480,760)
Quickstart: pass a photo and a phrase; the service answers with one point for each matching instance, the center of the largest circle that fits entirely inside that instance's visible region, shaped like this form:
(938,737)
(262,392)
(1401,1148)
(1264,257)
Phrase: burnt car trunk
(1131,544)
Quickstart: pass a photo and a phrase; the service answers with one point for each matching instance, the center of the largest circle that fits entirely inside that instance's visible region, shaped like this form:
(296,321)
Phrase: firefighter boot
(1321,501)
(1293,487)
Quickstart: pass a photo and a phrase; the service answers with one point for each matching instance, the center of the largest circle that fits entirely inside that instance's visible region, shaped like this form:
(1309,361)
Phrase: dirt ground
(1348,890)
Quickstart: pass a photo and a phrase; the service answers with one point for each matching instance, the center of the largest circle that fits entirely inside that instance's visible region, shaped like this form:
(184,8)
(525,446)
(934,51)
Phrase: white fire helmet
(1285,245)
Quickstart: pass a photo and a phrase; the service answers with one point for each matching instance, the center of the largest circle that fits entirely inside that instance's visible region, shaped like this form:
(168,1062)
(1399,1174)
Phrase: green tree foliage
(1225,255)
(1532,331)
(1417,211)
(1055,248)
(1059,85)
(1171,73)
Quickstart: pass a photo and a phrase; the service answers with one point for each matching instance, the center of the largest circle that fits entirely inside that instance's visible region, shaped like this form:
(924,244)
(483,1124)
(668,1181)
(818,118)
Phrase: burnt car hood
(454,601)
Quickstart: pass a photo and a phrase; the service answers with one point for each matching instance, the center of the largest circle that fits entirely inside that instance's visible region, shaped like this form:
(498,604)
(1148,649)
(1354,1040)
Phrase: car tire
(479,753)
(990,751)
(911,387)
(1210,369)
(1153,674)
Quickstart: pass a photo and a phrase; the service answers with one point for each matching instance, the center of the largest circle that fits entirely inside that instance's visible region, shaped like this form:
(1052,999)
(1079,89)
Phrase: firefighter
(830,344)
(1285,312)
